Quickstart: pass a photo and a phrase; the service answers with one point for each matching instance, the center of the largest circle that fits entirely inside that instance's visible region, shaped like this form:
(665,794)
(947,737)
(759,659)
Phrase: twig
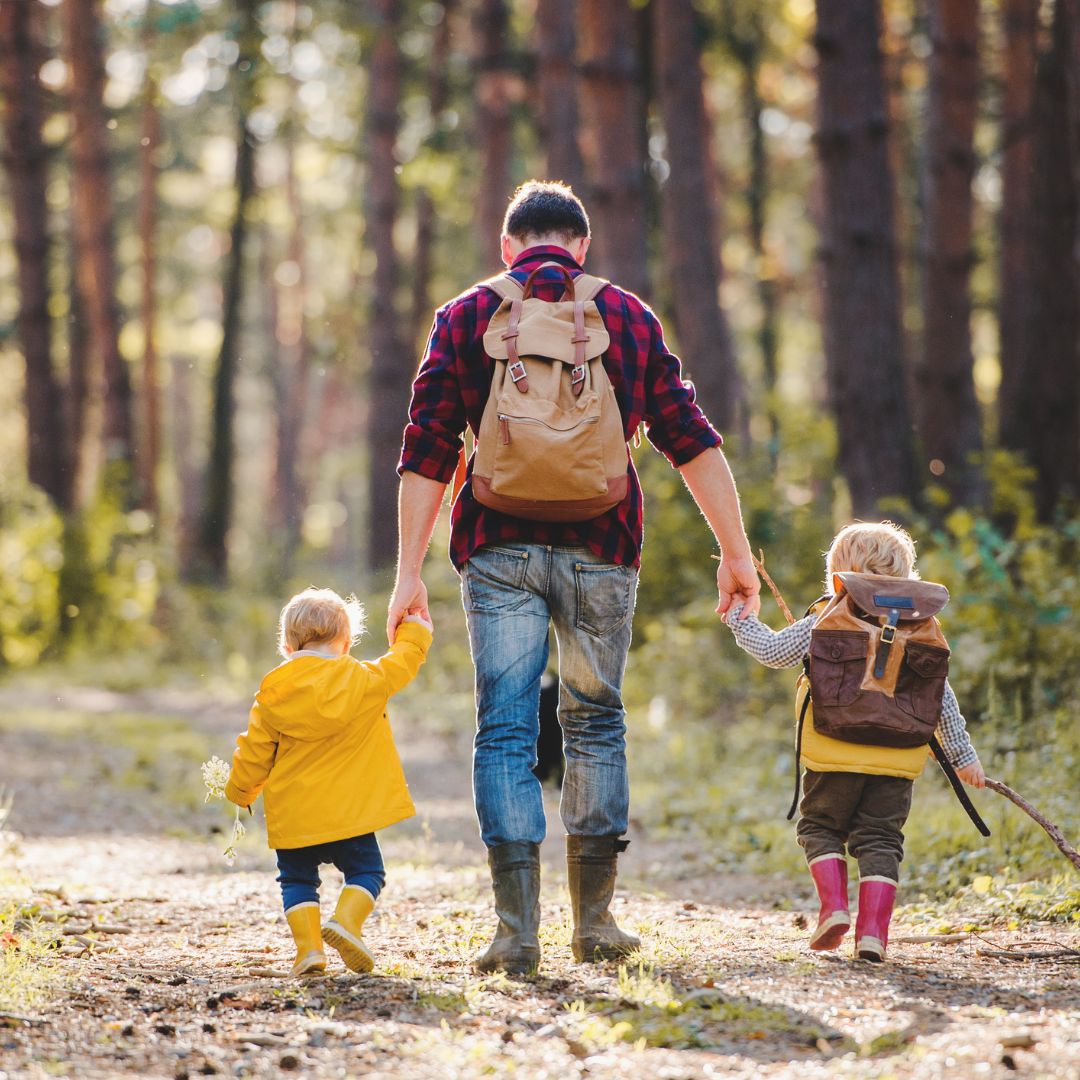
(1051,829)
(14,1019)
(1022,950)
(759,566)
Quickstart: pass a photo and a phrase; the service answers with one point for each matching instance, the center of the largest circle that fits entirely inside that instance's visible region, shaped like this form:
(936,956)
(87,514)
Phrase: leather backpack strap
(958,787)
(798,753)
(504,285)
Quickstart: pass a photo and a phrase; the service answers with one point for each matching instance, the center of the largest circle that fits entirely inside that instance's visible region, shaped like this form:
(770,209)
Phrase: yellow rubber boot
(304,924)
(342,932)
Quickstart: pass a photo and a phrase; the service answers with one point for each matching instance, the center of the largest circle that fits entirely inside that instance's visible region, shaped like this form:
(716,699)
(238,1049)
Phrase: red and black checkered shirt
(451,390)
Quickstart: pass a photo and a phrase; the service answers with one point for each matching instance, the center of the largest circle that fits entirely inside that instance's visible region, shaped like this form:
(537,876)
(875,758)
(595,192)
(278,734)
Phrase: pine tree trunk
(21,57)
(494,130)
(863,341)
(946,409)
(391,371)
(1021,23)
(93,217)
(438,93)
(614,142)
(690,250)
(150,449)
(1048,400)
(211,557)
(557,92)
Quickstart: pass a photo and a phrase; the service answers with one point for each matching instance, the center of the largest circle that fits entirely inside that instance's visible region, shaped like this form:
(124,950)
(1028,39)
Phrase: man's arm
(713,488)
(419,501)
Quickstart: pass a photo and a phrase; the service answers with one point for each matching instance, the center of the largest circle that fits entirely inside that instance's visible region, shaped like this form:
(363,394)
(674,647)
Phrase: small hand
(973,774)
(737,582)
(419,617)
(409,597)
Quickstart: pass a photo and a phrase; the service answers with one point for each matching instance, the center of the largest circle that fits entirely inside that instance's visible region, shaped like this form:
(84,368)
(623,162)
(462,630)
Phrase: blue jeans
(358,858)
(512,592)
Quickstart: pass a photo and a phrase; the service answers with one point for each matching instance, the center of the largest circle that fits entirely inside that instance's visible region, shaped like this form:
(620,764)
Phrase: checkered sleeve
(773,648)
(952,732)
(432,442)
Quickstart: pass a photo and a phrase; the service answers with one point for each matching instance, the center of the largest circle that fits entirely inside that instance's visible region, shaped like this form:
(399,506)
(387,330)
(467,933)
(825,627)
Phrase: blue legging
(358,858)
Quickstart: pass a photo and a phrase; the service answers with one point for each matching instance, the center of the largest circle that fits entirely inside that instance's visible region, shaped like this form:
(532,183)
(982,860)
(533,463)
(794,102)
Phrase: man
(519,576)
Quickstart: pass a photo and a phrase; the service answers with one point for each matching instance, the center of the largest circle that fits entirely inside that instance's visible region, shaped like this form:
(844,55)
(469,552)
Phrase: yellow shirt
(319,747)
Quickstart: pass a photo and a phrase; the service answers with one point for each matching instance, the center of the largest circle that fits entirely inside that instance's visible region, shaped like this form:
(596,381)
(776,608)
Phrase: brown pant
(865,812)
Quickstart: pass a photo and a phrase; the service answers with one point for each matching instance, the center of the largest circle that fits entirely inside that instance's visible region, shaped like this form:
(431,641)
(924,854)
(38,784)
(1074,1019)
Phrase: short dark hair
(545,208)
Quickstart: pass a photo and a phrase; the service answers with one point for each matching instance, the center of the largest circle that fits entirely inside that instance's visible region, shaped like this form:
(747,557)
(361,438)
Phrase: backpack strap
(958,787)
(504,285)
(798,750)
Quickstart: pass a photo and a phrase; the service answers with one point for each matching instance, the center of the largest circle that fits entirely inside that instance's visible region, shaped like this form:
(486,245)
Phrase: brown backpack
(879,661)
(551,445)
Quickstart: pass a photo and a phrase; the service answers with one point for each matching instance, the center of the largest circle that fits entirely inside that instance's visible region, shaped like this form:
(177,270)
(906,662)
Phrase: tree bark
(150,449)
(1047,402)
(557,91)
(494,130)
(614,142)
(211,558)
(946,409)
(863,341)
(690,243)
(92,207)
(438,94)
(391,371)
(1021,24)
(21,57)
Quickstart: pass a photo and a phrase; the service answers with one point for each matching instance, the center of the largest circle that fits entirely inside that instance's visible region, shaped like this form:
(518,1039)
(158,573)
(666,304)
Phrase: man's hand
(737,583)
(408,598)
(973,774)
(422,620)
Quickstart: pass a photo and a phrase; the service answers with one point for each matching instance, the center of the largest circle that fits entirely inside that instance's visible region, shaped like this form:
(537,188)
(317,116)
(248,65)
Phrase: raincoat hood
(313,697)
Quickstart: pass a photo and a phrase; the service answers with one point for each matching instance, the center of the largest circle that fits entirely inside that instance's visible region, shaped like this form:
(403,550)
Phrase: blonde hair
(871,548)
(317,617)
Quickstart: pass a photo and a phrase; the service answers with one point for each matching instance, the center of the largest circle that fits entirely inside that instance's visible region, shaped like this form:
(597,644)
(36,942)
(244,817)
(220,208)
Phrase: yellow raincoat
(319,748)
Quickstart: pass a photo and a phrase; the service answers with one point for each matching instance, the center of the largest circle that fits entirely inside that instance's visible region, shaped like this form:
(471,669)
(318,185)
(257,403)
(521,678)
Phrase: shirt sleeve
(397,667)
(432,442)
(675,424)
(253,759)
(952,732)
(773,648)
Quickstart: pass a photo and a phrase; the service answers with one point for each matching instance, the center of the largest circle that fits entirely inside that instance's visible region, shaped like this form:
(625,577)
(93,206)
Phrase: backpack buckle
(577,379)
(888,634)
(517,370)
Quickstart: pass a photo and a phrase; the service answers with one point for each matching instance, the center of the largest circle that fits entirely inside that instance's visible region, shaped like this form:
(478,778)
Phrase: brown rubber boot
(590,868)
(515,879)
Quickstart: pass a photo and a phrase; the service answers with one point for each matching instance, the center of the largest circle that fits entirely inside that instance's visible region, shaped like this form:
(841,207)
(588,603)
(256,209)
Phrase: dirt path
(113,837)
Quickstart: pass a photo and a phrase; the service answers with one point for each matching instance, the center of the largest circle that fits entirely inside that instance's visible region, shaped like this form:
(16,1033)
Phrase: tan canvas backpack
(551,445)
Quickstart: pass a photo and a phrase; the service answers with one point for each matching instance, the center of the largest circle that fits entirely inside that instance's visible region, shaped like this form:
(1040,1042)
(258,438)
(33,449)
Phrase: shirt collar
(546,253)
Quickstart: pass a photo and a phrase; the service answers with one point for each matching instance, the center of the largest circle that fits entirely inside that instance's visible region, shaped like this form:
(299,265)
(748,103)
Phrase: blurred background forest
(226,225)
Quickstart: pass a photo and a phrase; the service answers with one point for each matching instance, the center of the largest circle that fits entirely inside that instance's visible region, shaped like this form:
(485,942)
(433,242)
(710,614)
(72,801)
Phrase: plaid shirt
(786,648)
(451,390)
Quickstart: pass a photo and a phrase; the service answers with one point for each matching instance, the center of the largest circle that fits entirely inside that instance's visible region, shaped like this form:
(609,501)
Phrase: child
(857,794)
(318,745)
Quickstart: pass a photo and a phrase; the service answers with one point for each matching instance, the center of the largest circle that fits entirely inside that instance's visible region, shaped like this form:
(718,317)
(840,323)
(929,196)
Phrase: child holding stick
(857,795)
(319,749)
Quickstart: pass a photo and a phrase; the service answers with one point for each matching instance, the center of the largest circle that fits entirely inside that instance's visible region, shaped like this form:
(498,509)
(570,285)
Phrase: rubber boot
(830,877)
(590,870)
(876,898)
(515,880)
(342,932)
(303,920)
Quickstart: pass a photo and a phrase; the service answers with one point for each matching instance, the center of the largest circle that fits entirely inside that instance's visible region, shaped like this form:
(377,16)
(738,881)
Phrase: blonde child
(853,794)
(319,749)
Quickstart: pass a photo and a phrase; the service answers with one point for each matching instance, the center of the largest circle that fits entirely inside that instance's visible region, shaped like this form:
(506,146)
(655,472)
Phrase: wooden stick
(759,566)
(929,939)
(1051,829)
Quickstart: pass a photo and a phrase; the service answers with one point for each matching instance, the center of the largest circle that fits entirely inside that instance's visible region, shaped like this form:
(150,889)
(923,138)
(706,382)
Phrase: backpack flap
(546,329)
(880,595)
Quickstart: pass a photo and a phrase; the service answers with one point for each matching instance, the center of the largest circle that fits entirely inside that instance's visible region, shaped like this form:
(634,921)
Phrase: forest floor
(165,962)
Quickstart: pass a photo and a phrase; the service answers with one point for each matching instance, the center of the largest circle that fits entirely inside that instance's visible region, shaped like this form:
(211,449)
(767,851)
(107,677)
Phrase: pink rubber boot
(876,898)
(830,876)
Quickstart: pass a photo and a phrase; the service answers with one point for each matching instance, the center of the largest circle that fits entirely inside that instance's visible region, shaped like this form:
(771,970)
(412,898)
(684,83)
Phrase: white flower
(215,775)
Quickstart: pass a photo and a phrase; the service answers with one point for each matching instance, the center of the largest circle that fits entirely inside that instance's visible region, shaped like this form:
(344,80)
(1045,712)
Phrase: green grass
(29,970)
